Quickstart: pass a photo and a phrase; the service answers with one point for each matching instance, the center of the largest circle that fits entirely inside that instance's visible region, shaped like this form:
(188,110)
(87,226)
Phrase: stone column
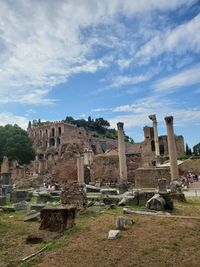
(155,131)
(121,152)
(80,169)
(172,148)
(5,165)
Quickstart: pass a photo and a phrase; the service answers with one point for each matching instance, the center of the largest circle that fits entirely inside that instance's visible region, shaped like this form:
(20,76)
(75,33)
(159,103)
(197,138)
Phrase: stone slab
(114,234)
(32,215)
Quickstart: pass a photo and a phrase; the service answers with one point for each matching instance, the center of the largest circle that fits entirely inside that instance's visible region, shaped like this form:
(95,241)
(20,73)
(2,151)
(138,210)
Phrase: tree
(99,125)
(89,119)
(188,150)
(15,144)
(196,149)
(69,119)
(101,122)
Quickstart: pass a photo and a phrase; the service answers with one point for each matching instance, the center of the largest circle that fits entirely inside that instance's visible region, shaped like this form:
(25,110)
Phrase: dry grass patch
(151,241)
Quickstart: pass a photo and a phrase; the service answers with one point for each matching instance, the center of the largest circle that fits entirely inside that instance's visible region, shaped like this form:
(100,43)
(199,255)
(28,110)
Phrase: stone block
(108,200)
(114,234)
(109,191)
(122,223)
(57,219)
(2,200)
(5,178)
(44,198)
(32,215)
(6,189)
(23,205)
(18,196)
(74,194)
(37,207)
(8,209)
(162,187)
(92,189)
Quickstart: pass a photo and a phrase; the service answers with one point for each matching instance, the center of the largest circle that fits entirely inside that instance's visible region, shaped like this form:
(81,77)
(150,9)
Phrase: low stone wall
(148,177)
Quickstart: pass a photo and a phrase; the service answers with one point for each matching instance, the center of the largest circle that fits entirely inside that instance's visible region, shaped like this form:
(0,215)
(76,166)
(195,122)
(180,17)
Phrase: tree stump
(57,219)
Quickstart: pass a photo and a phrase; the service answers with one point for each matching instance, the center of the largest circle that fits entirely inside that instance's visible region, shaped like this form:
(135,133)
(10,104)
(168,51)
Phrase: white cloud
(180,40)
(42,42)
(138,113)
(123,80)
(100,109)
(127,80)
(9,118)
(185,78)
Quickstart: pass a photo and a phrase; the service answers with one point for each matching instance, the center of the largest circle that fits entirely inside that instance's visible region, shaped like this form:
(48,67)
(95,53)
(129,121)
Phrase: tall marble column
(121,151)
(172,148)
(80,169)
(155,131)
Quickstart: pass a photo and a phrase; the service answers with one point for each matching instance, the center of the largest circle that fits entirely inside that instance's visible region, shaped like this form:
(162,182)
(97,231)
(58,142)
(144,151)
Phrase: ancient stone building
(50,138)
(57,145)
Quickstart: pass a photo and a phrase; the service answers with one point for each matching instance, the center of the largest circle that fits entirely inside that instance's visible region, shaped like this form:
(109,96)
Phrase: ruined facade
(50,139)
(58,144)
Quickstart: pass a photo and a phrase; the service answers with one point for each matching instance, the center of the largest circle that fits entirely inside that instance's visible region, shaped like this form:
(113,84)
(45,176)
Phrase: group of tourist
(191,177)
(52,186)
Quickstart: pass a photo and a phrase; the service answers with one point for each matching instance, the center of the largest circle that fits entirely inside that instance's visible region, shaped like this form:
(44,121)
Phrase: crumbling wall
(18,173)
(65,168)
(148,177)
(106,167)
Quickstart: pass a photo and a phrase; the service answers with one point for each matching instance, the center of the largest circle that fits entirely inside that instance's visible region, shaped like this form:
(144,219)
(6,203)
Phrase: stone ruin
(54,141)
(73,190)
(57,219)
(74,194)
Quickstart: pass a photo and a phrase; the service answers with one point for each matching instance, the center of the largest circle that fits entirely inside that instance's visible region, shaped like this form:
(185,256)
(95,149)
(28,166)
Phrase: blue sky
(117,59)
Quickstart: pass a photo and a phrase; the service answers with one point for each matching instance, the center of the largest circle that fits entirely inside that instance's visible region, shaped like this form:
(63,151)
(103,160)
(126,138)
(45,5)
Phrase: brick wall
(147,177)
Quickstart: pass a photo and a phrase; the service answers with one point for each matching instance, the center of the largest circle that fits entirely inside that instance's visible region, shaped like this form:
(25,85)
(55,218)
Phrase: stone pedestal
(57,219)
(172,148)
(121,151)
(162,185)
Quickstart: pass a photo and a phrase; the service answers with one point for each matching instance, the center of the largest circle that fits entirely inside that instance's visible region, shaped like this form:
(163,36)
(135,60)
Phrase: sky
(117,59)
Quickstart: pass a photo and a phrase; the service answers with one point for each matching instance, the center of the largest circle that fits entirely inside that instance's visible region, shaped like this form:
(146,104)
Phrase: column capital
(120,125)
(169,119)
(153,117)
